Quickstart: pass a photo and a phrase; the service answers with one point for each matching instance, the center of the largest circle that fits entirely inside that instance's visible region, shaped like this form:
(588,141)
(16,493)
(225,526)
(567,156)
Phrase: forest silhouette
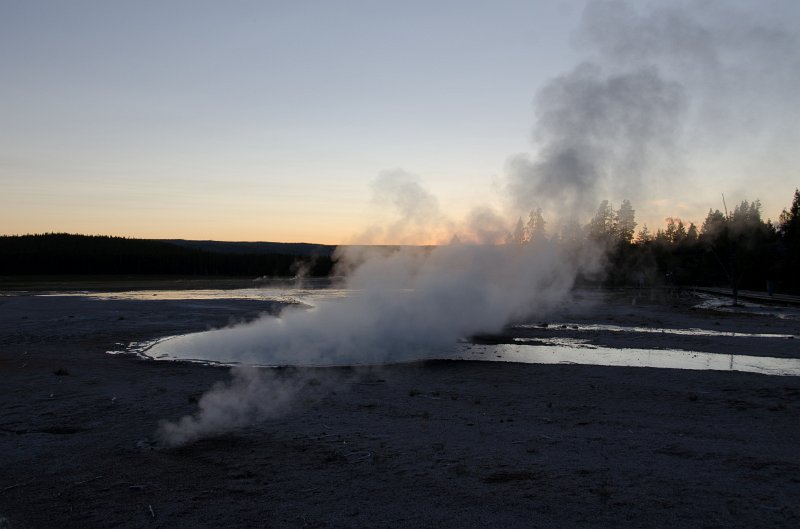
(736,249)
(68,254)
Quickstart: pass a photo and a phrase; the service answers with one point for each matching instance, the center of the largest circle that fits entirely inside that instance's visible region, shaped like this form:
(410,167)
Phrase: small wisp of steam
(252,395)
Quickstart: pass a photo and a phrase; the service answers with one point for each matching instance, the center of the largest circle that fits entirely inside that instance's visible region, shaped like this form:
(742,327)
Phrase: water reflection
(609,356)
(652,330)
(282,294)
(722,304)
(538,351)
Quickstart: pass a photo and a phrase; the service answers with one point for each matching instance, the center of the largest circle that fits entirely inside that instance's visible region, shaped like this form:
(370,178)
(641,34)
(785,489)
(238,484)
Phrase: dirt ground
(429,444)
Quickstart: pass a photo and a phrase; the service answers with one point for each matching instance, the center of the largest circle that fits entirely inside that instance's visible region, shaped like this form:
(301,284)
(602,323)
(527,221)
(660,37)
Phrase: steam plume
(661,89)
(610,124)
(417,217)
(407,304)
(599,134)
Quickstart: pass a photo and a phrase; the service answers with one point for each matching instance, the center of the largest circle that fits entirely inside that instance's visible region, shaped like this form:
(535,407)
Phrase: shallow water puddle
(724,304)
(585,354)
(287,294)
(650,330)
(535,351)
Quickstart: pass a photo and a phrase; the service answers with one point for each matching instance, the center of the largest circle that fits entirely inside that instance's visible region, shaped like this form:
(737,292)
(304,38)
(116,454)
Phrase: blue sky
(269,120)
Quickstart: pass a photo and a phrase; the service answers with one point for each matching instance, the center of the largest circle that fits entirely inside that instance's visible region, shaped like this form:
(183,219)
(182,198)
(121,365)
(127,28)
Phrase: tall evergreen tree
(535,230)
(518,235)
(644,236)
(602,225)
(789,233)
(625,221)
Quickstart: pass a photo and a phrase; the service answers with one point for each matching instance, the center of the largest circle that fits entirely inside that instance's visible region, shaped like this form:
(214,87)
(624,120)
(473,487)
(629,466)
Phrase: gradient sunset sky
(271,120)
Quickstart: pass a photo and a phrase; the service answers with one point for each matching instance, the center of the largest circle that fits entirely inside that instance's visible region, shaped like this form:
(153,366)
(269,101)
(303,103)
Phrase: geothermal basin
(554,342)
(510,440)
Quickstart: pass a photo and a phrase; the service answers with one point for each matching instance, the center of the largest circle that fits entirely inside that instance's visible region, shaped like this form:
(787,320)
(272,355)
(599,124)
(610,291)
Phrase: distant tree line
(736,249)
(66,254)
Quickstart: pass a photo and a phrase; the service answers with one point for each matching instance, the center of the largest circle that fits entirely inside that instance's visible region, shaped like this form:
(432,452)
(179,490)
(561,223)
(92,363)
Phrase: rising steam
(408,303)
(251,396)
(599,135)
(661,91)
(605,127)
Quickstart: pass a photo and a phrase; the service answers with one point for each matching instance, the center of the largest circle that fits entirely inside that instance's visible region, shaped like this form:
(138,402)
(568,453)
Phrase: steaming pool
(522,350)
(563,351)
(515,346)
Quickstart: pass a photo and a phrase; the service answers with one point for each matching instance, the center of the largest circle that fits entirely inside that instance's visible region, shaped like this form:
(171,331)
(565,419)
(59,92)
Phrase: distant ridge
(69,254)
(256,248)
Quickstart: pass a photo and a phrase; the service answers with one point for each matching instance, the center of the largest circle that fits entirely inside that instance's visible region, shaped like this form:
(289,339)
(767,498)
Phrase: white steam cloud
(407,304)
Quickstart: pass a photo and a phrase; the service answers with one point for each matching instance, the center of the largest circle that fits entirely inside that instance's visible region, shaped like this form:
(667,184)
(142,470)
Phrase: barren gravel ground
(431,444)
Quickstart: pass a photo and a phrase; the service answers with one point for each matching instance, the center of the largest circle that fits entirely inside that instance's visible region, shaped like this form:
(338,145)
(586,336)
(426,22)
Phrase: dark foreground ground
(436,444)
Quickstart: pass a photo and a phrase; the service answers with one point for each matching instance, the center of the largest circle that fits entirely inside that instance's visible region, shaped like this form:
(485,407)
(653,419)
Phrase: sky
(273,120)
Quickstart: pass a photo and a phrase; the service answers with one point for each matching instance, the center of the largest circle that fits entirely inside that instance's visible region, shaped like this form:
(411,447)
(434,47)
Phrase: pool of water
(651,330)
(532,351)
(539,350)
(282,294)
(723,304)
(559,352)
